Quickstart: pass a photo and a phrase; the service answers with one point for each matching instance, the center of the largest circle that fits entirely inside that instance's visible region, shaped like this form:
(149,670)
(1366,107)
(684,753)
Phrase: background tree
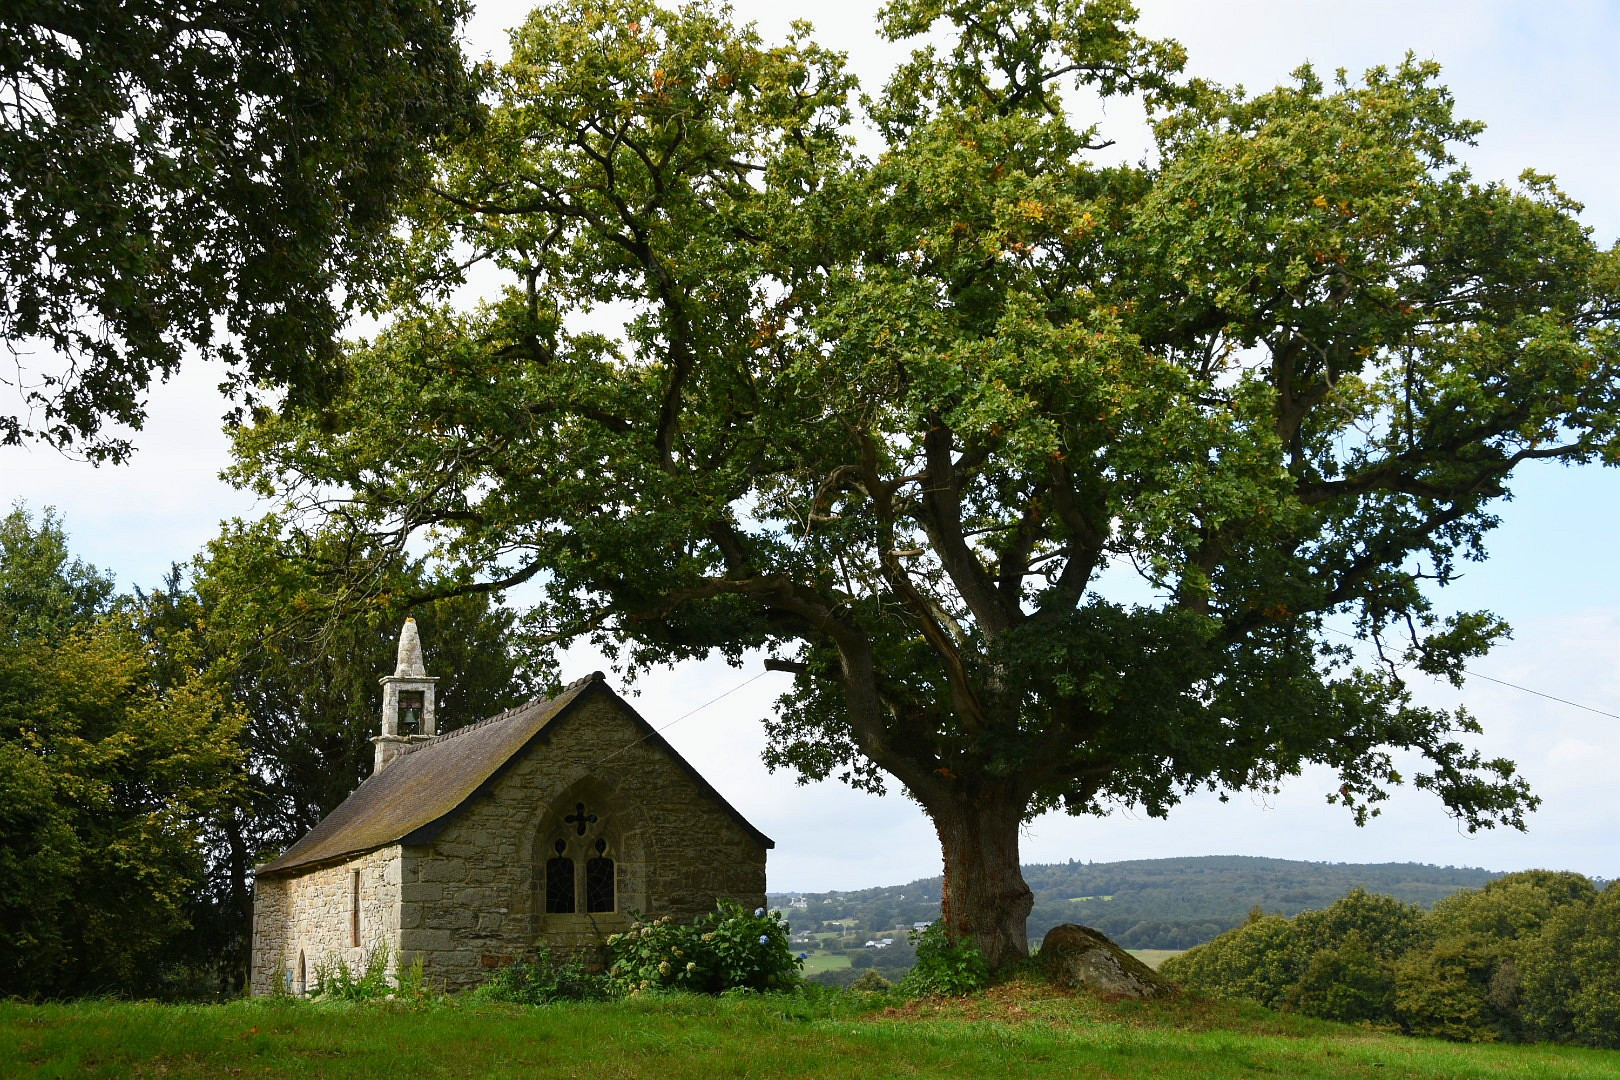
(1466,982)
(216,176)
(106,778)
(44,591)
(1527,956)
(1570,972)
(1043,479)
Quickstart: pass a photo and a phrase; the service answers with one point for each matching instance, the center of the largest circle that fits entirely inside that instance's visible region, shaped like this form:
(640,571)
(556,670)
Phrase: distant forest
(1148,903)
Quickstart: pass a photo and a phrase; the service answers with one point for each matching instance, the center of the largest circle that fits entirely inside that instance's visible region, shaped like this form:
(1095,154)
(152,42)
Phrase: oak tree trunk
(985,900)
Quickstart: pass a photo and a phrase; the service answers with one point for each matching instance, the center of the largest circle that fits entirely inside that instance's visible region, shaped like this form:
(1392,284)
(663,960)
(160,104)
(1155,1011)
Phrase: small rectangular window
(354,908)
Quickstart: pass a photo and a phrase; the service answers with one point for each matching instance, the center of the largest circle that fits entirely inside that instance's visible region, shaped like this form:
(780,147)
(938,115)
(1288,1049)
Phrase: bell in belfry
(407,713)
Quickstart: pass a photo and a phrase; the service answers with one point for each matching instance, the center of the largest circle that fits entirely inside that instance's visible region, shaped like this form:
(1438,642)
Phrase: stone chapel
(544,827)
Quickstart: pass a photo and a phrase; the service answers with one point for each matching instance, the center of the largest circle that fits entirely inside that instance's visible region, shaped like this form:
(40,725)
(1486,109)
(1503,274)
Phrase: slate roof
(422,789)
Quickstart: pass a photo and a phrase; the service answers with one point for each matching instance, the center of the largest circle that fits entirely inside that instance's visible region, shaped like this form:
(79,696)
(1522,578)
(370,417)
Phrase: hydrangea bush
(727,949)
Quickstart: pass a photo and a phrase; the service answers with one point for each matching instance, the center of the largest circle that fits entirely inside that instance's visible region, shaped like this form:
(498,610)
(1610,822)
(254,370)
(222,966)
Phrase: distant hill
(1150,903)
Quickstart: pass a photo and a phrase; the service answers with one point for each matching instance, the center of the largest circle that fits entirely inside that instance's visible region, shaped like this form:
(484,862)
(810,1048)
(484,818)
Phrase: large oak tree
(905,421)
(213,175)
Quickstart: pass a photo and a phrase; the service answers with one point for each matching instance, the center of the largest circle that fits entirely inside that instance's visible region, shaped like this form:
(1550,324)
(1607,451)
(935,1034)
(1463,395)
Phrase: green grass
(820,962)
(1021,1030)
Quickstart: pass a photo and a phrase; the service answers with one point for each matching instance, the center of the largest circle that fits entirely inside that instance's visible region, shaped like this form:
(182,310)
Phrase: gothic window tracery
(582,836)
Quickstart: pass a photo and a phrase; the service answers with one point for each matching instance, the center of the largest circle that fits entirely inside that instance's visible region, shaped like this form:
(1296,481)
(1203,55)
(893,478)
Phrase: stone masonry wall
(473,899)
(312,914)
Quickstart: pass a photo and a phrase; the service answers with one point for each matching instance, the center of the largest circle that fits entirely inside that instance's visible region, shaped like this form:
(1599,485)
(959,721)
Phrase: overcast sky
(1545,77)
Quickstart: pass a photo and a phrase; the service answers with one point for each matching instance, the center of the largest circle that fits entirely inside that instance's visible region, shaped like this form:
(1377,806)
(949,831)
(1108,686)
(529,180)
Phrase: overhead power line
(683,716)
(1470,671)
(1504,682)
(1538,693)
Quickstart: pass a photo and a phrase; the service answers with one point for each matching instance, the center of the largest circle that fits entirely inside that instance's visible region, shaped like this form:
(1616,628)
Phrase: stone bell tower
(407,712)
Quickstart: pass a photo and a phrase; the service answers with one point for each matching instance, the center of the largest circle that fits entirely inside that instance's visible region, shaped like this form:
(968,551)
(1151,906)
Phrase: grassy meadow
(1154,957)
(1020,1030)
(817,963)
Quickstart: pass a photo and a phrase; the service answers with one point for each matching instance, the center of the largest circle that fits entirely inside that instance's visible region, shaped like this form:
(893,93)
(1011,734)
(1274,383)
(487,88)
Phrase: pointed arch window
(581,874)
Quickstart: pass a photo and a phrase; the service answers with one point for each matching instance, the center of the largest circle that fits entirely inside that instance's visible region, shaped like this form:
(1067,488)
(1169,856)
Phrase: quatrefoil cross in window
(579,819)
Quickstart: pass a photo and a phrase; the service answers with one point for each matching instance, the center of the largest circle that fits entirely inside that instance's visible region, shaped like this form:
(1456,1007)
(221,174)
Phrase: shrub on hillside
(725,949)
(871,982)
(1443,990)
(1530,955)
(1258,961)
(1386,926)
(1464,982)
(944,965)
(1346,982)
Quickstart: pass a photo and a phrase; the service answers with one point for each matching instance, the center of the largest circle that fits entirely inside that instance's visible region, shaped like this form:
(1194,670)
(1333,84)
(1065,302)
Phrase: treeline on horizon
(1173,903)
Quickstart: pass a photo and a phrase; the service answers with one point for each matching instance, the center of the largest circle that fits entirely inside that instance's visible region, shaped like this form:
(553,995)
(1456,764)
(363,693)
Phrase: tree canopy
(109,775)
(155,747)
(215,176)
(1043,478)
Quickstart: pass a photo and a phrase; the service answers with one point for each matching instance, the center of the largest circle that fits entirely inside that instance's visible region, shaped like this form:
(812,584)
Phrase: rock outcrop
(1081,958)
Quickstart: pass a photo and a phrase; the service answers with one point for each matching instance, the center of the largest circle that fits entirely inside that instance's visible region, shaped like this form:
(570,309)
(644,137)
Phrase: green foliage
(1444,990)
(545,979)
(1336,963)
(212,178)
(1530,955)
(945,966)
(42,593)
(1466,982)
(1571,973)
(334,981)
(1386,927)
(870,982)
(1258,961)
(109,773)
(892,419)
(1345,982)
(728,949)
